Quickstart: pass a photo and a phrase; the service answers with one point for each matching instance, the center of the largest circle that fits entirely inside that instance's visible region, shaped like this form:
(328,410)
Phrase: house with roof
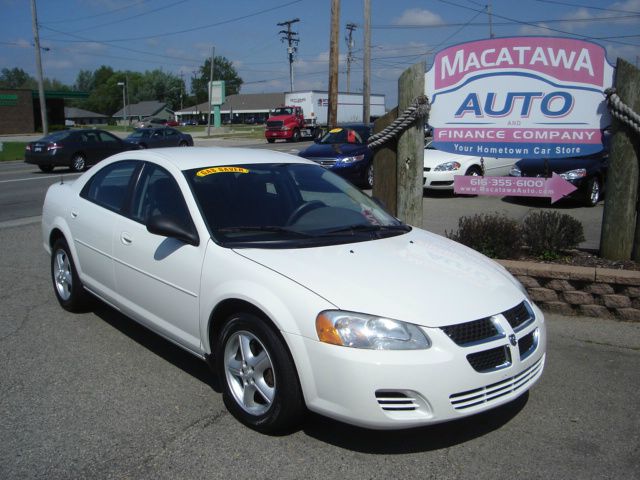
(143,110)
(238,108)
(78,116)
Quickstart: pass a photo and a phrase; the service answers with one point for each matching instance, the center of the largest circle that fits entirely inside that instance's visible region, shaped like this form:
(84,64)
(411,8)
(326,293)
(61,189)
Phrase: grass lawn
(12,151)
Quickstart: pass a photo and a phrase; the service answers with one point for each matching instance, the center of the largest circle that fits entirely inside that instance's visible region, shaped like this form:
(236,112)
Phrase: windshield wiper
(263,228)
(353,229)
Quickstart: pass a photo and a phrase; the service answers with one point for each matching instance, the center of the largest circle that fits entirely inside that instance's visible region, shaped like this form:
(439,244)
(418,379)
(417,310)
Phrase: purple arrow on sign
(555,187)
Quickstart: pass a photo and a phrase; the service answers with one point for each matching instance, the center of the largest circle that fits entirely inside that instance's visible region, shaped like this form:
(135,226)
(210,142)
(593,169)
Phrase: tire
(593,193)
(473,171)
(295,137)
(142,146)
(66,284)
(46,168)
(271,140)
(368,180)
(183,144)
(259,381)
(78,162)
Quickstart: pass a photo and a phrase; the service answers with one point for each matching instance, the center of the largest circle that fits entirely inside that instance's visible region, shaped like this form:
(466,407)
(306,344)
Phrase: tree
(223,70)
(85,81)
(16,78)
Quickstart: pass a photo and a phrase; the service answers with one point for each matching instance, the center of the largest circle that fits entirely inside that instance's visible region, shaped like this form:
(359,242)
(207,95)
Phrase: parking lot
(96,396)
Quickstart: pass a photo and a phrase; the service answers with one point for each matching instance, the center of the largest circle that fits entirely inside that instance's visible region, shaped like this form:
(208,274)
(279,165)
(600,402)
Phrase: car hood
(418,277)
(333,150)
(280,118)
(532,166)
(433,158)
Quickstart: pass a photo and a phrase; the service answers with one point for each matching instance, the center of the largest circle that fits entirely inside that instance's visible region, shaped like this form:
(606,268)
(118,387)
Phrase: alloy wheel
(62,275)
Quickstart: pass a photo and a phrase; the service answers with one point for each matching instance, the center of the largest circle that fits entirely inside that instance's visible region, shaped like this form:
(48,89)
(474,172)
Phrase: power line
(68,20)
(579,5)
(202,27)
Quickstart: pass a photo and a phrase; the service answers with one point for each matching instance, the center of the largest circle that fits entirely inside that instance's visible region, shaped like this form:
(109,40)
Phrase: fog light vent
(396,401)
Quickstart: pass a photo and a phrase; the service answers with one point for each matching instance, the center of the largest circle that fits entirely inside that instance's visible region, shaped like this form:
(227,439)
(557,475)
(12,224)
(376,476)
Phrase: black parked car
(77,149)
(160,137)
(587,173)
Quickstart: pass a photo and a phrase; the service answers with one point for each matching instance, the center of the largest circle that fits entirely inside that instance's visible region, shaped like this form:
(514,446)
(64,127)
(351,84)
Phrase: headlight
(515,171)
(574,174)
(447,167)
(355,158)
(358,330)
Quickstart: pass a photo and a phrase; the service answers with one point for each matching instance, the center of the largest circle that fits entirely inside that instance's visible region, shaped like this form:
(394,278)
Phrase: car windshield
(342,135)
(283,111)
(286,205)
(56,136)
(140,133)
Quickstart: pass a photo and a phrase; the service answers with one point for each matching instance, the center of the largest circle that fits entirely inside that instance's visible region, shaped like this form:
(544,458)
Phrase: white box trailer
(315,105)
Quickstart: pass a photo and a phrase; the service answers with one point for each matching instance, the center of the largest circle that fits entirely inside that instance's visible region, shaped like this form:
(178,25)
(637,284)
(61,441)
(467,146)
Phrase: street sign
(555,187)
(217,92)
(523,97)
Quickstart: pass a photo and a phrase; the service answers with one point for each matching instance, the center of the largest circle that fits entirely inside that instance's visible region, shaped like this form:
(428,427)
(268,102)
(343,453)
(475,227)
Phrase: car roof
(201,157)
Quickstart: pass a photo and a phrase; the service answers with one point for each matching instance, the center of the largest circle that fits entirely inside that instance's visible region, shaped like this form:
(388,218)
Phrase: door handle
(125,238)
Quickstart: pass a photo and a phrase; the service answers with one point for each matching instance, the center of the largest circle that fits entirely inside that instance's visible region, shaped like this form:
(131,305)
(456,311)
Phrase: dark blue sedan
(344,151)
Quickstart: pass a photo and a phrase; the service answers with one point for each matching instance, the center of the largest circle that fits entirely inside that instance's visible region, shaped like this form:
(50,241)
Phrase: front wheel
(369,176)
(183,144)
(296,136)
(259,381)
(66,284)
(271,140)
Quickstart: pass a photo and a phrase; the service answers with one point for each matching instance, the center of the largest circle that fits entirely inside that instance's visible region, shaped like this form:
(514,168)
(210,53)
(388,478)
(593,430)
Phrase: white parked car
(298,289)
(440,167)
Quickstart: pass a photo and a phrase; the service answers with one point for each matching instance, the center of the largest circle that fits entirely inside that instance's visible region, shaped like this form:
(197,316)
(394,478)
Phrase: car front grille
(325,162)
(470,333)
(490,360)
(519,316)
(528,344)
(277,124)
(491,393)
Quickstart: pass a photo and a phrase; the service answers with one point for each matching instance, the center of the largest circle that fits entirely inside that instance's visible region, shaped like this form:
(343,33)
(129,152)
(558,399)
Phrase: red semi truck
(305,113)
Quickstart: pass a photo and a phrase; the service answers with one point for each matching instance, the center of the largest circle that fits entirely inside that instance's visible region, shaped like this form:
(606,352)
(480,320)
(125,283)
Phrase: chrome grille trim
(395,401)
(492,392)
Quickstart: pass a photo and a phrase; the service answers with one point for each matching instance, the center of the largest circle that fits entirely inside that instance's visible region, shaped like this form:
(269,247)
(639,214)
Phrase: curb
(585,291)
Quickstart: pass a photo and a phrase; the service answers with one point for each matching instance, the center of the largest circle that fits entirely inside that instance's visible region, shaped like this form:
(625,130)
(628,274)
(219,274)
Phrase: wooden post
(620,237)
(334,54)
(385,182)
(410,161)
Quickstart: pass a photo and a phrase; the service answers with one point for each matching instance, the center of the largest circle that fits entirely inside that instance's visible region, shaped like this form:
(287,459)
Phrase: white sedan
(298,289)
(440,167)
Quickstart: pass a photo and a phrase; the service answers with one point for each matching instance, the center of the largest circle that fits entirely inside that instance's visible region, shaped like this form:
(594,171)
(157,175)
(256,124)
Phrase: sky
(177,35)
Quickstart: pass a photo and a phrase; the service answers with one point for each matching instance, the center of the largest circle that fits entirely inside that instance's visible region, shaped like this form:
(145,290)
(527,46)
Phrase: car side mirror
(166,226)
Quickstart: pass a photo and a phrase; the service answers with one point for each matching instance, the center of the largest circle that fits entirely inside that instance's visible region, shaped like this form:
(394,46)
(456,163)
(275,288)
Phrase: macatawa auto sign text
(532,97)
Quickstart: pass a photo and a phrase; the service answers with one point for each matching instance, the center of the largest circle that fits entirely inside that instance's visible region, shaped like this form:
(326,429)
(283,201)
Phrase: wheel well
(228,307)
(54,236)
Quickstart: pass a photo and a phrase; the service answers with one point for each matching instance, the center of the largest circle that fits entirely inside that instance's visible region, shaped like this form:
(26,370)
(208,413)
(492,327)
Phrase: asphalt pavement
(94,395)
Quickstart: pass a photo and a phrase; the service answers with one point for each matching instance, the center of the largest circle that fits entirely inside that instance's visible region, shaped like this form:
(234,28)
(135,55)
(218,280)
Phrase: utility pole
(292,40)
(491,35)
(334,54)
(366,89)
(213,51)
(350,44)
(36,41)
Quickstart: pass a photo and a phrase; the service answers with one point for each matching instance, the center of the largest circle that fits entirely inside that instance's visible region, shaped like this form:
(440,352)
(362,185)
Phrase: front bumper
(403,389)
(433,180)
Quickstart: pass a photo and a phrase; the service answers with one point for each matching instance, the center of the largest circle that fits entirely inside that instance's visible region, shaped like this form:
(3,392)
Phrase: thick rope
(621,111)
(420,107)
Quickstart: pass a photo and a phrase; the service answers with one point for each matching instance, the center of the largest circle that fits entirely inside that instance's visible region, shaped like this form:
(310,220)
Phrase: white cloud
(418,16)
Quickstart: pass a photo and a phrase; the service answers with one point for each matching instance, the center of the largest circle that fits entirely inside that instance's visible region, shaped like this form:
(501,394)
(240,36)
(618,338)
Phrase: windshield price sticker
(212,170)
(524,97)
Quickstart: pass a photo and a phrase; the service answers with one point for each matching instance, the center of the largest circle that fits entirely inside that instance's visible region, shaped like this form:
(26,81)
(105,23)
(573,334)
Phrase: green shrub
(494,235)
(548,233)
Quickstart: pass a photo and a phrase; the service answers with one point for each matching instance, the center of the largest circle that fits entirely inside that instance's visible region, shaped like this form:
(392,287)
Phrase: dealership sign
(521,97)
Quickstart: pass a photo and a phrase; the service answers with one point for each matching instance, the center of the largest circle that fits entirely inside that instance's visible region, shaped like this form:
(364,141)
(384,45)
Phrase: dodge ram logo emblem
(512,339)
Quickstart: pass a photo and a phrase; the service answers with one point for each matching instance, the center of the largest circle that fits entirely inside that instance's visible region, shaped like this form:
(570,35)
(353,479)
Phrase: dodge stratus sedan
(300,291)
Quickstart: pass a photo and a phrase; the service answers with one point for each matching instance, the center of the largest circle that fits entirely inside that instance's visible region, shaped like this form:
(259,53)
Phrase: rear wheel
(259,381)
(369,176)
(66,284)
(46,168)
(183,144)
(78,163)
(271,140)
